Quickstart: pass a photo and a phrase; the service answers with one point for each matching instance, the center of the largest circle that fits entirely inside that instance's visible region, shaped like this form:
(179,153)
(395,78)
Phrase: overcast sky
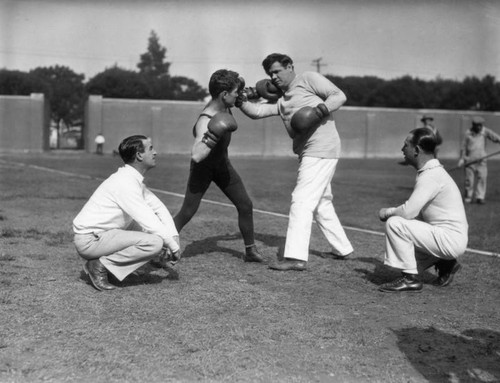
(385,38)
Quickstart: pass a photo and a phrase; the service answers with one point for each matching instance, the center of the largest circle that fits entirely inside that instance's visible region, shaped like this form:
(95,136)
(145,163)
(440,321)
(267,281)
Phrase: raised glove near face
(219,124)
(308,117)
(265,89)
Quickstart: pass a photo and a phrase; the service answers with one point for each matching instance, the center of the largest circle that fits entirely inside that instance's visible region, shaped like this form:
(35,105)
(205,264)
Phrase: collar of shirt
(431,164)
(133,173)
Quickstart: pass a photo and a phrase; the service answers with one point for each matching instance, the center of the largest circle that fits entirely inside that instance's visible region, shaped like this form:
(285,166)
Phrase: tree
(155,71)
(66,94)
(14,82)
(152,62)
(357,89)
(187,89)
(116,82)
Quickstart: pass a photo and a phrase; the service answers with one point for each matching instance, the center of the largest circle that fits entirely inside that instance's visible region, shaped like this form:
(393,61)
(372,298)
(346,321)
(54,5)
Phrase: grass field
(227,321)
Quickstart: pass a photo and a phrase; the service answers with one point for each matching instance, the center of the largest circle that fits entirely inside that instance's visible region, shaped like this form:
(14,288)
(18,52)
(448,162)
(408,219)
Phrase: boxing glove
(219,124)
(308,117)
(241,86)
(242,97)
(265,89)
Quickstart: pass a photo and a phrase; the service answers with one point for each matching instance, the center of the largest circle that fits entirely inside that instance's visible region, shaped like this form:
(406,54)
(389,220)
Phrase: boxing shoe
(252,255)
(289,264)
(98,275)
(407,282)
(446,271)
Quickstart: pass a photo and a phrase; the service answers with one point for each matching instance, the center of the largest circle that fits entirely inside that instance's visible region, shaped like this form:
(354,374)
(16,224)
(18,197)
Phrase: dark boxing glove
(219,124)
(308,117)
(265,89)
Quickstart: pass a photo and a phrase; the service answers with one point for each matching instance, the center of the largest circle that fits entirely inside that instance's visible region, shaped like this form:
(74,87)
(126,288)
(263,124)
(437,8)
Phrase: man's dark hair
(130,146)
(284,60)
(425,139)
(223,80)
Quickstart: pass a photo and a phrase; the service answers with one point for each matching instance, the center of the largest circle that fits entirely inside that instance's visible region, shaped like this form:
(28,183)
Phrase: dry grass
(227,321)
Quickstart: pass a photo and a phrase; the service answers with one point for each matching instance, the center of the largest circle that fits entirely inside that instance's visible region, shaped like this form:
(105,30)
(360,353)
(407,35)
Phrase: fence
(24,123)
(365,132)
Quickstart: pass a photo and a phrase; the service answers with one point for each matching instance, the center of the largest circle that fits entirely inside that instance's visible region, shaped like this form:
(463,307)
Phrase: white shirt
(122,199)
(435,199)
(306,89)
(100,139)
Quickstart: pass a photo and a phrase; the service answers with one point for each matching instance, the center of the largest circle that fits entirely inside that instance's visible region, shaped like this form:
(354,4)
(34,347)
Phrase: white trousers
(476,176)
(413,245)
(120,251)
(312,198)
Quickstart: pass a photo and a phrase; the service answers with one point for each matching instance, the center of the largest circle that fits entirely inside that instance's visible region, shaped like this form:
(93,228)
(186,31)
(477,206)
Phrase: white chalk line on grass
(265,212)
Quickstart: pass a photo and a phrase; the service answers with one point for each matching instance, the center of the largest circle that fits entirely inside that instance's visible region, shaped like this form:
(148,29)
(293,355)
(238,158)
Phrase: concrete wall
(365,132)
(24,123)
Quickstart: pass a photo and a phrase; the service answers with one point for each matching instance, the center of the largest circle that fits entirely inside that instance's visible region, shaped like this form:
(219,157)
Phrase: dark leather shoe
(480,201)
(98,275)
(252,255)
(287,265)
(446,271)
(405,283)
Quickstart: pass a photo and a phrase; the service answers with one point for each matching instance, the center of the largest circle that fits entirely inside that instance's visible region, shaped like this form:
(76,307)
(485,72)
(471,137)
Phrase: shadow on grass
(213,244)
(381,274)
(473,356)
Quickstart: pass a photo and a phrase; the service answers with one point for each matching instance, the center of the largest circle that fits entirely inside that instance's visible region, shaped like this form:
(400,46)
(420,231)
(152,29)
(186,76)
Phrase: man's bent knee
(156,243)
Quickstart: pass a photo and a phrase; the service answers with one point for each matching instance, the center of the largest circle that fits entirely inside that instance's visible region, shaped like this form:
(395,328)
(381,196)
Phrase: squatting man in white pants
(430,228)
(124,225)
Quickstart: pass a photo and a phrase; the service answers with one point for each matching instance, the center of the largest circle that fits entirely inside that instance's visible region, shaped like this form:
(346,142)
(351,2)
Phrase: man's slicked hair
(284,60)
(425,138)
(130,146)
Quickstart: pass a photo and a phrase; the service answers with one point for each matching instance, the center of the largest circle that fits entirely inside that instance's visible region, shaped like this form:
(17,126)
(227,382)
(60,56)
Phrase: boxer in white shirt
(307,107)
(124,225)
(430,228)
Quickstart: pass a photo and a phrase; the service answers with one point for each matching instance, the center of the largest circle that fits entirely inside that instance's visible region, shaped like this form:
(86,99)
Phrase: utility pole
(318,64)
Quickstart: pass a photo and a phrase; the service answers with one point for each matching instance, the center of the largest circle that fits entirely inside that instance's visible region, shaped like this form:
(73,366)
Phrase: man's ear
(139,156)
(418,150)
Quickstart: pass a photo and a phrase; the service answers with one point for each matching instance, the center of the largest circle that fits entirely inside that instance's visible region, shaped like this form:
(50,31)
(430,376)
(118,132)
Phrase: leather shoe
(98,275)
(252,255)
(405,283)
(289,265)
(446,271)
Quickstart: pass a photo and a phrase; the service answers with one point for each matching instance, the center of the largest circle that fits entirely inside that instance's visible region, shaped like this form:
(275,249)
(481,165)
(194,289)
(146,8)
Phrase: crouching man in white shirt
(124,225)
(430,228)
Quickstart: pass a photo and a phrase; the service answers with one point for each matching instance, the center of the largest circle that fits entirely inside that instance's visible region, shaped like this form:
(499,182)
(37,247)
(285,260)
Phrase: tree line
(407,92)
(67,91)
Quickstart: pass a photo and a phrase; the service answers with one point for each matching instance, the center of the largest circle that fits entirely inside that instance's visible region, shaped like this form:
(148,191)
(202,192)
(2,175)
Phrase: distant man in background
(430,228)
(210,161)
(428,122)
(472,157)
(124,225)
(99,141)
(306,107)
